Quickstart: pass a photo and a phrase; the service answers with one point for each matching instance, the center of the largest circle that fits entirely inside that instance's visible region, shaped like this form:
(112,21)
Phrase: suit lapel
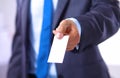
(60,8)
(24,16)
(24,24)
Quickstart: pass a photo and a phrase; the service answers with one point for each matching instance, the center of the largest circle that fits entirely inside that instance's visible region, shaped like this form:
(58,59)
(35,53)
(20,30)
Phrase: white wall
(110,50)
(7,17)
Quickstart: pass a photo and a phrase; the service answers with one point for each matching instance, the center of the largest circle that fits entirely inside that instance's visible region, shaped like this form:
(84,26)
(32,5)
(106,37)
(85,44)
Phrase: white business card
(58,49)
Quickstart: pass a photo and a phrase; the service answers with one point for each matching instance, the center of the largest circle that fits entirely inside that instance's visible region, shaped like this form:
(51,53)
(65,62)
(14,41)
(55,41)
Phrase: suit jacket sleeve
(100,23)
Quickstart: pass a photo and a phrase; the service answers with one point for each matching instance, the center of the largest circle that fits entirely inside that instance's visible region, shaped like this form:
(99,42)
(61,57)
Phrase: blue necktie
(44,49)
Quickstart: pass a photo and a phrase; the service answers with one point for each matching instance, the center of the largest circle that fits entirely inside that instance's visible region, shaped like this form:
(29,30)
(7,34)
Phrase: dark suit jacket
(99,20)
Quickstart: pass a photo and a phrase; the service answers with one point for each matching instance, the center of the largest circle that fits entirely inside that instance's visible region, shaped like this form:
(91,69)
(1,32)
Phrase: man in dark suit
(99,20)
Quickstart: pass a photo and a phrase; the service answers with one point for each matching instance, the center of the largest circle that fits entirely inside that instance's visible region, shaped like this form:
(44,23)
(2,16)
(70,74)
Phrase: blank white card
(58,49)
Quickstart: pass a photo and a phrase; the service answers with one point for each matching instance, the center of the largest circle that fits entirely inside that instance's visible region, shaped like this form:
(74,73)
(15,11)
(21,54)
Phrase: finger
(69,48)
(58,34)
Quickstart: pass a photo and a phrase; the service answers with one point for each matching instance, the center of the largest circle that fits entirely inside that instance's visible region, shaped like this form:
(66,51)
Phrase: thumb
(58,34)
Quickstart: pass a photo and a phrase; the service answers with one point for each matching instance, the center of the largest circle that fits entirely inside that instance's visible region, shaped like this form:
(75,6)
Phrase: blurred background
(110,49)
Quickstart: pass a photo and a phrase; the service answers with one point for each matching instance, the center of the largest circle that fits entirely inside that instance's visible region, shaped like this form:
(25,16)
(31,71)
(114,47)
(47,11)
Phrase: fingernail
(59,35)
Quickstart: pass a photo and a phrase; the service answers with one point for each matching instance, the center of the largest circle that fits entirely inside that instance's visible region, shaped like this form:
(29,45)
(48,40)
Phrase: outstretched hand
(68,27)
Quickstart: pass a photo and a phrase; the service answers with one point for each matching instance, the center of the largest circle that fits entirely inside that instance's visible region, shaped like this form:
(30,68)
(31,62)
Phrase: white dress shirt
(37,18)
